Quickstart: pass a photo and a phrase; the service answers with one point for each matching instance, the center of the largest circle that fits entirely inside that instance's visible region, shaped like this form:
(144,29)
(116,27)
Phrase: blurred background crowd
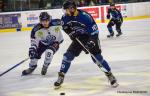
(24,5)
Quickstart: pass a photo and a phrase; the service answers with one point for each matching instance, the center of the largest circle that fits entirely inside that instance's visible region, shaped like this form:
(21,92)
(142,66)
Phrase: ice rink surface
(128,56)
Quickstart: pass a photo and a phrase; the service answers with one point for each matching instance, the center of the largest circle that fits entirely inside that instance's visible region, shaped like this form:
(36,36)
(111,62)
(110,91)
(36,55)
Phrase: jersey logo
(50,38)
(57,29)
(94,27)
(39,33)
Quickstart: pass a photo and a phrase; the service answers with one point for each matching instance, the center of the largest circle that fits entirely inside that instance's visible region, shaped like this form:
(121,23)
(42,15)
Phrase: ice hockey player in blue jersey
(46,37)
(79,24)
(115,19)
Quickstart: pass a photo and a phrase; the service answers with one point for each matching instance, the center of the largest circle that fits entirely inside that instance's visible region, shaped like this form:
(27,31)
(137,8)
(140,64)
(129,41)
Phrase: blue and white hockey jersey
(47,36)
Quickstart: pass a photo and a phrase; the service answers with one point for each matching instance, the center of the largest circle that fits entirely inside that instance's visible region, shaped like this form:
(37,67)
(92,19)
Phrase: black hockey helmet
(112,4)
(44,16)
(69,3)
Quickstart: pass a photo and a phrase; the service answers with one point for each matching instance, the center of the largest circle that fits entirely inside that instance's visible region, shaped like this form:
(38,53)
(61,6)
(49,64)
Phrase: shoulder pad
(56,22)
(85,13)
(87,16)
(37,27)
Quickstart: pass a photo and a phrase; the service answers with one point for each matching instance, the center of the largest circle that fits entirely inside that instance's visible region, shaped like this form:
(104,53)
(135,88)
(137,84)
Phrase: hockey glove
(32,52)
(90,44)
(73,35)
(78,33)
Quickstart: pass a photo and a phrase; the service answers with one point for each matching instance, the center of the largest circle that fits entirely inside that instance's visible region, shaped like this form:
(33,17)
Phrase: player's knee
(68,57)
(48,56)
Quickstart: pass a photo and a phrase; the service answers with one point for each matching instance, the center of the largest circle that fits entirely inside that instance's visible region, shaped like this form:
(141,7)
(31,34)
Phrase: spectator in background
(42,4)
(96,2)
(57,3)
(81,3)
(1,4)
(105,1)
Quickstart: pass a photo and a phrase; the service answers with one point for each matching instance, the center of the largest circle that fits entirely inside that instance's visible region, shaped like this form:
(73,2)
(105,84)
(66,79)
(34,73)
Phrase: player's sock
(102,63)
(111,32)
(66,62)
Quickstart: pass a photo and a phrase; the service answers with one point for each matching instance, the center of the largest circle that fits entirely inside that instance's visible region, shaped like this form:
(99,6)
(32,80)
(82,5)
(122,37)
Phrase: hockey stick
(98,63)
(14,66)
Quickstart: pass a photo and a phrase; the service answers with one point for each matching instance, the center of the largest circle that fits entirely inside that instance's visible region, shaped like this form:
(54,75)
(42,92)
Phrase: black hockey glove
(90,44)
(77,33)
(77,29)
(32,52)
(74,35)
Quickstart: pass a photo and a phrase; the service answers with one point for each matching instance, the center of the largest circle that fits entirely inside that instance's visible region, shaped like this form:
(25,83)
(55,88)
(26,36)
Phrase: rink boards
(25,20)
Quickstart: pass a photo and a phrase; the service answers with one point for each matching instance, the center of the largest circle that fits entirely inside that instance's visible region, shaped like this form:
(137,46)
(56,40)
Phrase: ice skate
(111,35)
(60,80)
(28,71)
(118,34)
(112,80)
(44,70)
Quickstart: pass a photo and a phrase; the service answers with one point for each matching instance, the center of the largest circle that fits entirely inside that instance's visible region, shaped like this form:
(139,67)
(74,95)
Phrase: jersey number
(94,27)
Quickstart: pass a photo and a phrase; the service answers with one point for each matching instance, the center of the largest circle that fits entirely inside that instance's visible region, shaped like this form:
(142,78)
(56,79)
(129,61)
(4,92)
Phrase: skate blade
(57,87)
(115,85)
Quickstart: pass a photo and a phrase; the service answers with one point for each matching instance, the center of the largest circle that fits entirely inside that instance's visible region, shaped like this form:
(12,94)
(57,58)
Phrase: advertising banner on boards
(94,11)
(32,18)
(10,21)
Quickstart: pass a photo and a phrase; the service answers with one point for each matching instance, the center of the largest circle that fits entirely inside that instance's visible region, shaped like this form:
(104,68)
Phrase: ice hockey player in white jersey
(46,37)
